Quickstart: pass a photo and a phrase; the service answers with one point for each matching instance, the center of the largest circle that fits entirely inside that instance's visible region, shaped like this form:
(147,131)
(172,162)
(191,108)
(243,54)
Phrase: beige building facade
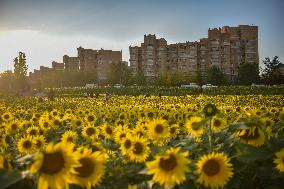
(225,47)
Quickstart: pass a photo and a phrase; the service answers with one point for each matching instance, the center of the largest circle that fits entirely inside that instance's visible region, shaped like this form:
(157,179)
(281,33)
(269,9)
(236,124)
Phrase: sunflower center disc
(27,144)
(108,130)
(78,123)
(87,167)
(127,144)
(159,128)
(122,136)
(90,131)
(211,167)
(56,122)
(14,126)
(91,118)
(33,132)
(195,126)
(217,123)
(168,164)
(172,130)
(138,148)
(45,124)
(52,163)
(70,139)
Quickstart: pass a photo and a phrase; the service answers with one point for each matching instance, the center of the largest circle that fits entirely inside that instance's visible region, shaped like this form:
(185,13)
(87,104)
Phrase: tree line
(248,73)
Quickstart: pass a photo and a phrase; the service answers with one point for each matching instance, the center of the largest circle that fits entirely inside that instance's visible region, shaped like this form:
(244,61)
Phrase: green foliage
(271,73)
(215,76)
(20,72)
(119,73)
(173,91)
(248,73)
(20,66)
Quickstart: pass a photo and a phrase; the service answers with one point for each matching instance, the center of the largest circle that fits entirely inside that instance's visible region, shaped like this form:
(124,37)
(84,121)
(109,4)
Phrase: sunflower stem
(210,135)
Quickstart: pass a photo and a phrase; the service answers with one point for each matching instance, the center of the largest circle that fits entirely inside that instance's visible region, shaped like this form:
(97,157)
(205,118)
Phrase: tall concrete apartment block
(100,60)
(225,47)
(150,57)
(231,46)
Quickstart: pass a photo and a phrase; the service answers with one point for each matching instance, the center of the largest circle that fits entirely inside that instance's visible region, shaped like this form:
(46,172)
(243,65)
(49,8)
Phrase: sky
(48,29)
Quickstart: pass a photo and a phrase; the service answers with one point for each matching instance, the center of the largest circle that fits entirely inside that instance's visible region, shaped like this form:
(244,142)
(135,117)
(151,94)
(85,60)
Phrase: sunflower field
(140,142)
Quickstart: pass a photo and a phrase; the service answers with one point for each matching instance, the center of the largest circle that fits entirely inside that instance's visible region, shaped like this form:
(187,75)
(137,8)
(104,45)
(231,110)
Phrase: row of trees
(248,73)
(120,73)
(15,81)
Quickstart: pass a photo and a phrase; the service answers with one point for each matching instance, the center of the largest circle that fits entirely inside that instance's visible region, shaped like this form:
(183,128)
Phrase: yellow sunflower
(91,169)
(139,149)
(126,145)
(169,169)
(5,163)
(77,123)
(13,127)
(140,131)
(33,131)
(26,145)
(279,160)
(6,141)
(7,116)
(69,136)
(217,124)
(268,122)
(90,118)
(90,133)
(195,126)
(120,133)
(253,136)
(55,166)
(107,130)
(159,131)
(174,130)
(27,124)
(39,142)
(214,170)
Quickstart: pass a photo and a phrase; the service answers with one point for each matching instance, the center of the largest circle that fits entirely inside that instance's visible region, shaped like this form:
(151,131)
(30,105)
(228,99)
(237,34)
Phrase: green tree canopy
(248,73)
(215,76)
(271,73)
(20,72)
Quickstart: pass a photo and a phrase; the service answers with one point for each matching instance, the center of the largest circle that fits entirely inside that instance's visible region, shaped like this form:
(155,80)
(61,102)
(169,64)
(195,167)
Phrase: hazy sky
(46,30)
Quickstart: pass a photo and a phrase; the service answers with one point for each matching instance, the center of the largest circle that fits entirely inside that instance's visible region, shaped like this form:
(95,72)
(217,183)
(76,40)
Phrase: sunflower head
(209,109)
(218,124)
(139,150)
(279,160)
(195,126)
(91,169)
(169,169)
(55,165)
(214,170)
(26,145)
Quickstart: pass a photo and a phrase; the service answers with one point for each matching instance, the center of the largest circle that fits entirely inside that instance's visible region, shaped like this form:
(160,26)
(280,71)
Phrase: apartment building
(225,47)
